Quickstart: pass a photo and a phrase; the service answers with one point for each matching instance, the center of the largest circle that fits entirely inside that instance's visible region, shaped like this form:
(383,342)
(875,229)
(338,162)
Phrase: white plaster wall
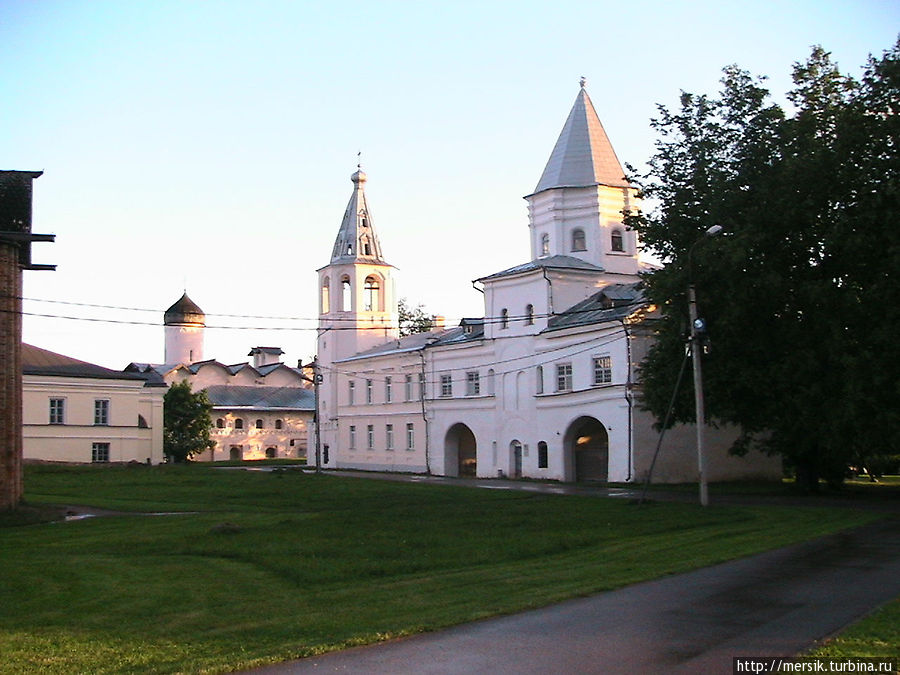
(71,442)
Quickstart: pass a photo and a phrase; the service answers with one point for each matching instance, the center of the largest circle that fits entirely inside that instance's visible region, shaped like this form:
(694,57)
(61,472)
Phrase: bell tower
(357,304)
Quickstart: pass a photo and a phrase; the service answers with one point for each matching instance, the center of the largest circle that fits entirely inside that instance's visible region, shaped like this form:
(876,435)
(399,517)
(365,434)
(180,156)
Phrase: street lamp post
(697,327)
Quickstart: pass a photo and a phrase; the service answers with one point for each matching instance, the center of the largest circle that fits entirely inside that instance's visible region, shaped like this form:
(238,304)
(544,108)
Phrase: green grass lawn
(877,635)
(272,566)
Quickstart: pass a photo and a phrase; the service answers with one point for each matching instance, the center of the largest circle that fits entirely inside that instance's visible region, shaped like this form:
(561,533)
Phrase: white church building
(544,385)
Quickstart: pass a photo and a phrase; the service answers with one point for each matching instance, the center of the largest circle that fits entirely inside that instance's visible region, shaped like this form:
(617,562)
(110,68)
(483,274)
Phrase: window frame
(617,241)
(543,455)
(388,389)
(57,410)
(579,240)
(370,397)
(370,437)
(101,412)
(410,436)
(352,438)
(602,369)
(446,385)
(388,436)
(473,383)
(564,376)
(99,450)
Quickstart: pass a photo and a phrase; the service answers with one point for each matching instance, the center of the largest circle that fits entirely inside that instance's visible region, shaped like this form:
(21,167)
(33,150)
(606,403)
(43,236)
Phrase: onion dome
(184,311)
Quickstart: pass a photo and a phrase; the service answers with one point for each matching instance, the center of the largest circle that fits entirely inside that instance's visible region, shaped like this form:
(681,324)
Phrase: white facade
(78,412)
(260,411)
(544,385)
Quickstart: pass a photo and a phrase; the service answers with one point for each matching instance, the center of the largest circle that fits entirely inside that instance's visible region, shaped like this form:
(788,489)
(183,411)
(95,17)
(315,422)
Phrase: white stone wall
(72,440)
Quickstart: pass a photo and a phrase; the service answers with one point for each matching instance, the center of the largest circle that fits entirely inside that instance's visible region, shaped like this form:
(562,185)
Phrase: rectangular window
(421,386)
(370,436)
(57,411)
(408,388)
(351,392)
(446,385)
(369,391)
(602,370)
(410,436)
(539,380)
(101,412)
(389,437)
(388,392)
(563,377)
(353,437)
(99,452)
(473,384)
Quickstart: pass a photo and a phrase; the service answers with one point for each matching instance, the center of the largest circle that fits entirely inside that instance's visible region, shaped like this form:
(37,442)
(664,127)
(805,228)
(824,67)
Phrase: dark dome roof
(184,311)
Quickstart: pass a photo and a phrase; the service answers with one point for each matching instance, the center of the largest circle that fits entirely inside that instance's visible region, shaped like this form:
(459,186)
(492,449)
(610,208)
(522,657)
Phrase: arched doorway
(587,450)
(515,449)
(460,456)
(235,453)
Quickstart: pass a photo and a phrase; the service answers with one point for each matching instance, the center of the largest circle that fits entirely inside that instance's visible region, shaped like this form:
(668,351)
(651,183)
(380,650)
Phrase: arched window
(578,240)
(259,424)
(616,243)
(504,318)
(279,424)
(370,298)
(346,295)
(220,423)
(326,292)
(542,454)
(238,423)
(529,315)
(271,453)
(545,244)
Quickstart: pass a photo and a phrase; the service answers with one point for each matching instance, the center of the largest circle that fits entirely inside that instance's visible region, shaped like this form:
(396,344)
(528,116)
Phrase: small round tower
(185,323)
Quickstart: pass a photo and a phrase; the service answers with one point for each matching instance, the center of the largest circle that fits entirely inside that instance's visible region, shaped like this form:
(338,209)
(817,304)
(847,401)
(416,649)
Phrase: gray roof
(184,310)
(356,239)
(468,329)
(582,155)
(37,361)
(566,262)
(612,303)
(261,398)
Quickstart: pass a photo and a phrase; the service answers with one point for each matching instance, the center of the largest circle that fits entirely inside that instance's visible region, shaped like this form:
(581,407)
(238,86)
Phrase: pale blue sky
(211,143)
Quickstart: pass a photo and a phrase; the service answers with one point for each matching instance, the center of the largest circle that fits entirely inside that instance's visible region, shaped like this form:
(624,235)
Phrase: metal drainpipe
(422,391)
(549,291)
(629,400)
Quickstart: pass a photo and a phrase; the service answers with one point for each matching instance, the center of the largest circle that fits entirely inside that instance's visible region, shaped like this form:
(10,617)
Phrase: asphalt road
(777,603)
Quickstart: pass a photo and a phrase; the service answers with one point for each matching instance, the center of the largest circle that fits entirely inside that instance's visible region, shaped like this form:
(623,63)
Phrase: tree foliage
(413,319)
(801,292)
(187,422)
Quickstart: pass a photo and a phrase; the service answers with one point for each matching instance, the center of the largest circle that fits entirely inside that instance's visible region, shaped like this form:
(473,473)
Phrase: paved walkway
(773,604)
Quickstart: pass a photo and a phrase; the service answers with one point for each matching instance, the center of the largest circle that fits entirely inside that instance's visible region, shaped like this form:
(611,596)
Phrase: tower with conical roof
(185,323)
(576,208)
(356,289)
(357,304)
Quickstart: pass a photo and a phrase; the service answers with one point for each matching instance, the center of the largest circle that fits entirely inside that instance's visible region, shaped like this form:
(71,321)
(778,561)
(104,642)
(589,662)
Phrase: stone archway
(586,445)
(460,451)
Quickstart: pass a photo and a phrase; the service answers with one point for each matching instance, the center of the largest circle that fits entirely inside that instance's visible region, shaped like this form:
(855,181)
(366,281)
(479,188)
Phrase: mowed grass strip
(272,566)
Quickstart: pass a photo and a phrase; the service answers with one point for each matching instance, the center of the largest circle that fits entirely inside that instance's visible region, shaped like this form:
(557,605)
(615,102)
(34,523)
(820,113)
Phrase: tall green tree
(187,422)
(800,292)
(413,319)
